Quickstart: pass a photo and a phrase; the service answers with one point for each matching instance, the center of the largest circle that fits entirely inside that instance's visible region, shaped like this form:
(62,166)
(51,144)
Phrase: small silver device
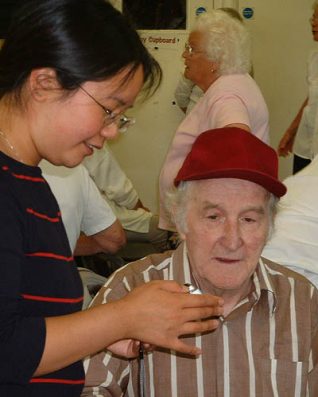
(192,289)
(197,291)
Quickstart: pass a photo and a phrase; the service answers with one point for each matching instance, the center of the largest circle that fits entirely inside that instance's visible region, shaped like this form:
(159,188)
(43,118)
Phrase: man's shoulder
(149,268)
(134,274)
(280,272)
(293,293)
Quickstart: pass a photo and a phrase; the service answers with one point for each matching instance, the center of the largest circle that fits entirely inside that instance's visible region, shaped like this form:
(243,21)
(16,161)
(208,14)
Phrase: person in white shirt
(140,224)
(83,210)
(294,241)
(301,137)
(90,223)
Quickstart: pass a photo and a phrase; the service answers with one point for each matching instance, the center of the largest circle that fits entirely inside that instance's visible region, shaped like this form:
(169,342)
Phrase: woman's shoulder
(236,80)
(231,84)
(240,85)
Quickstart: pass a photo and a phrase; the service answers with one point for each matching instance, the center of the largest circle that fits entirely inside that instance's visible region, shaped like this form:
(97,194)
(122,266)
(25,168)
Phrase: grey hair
(227,41)
(178,199)
(272,205)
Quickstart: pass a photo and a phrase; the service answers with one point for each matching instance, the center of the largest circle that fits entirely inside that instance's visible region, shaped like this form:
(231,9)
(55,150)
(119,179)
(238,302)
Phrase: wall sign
(200,10)
(248,12)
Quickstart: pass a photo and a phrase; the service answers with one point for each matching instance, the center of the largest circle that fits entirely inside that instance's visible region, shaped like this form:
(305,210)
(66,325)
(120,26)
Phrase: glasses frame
(123,122)
(189,49)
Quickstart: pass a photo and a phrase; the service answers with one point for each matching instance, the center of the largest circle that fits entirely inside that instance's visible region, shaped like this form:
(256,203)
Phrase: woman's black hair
(83,40)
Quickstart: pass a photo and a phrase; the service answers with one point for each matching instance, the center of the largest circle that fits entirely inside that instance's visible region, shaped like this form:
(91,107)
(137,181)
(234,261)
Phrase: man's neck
(231,296)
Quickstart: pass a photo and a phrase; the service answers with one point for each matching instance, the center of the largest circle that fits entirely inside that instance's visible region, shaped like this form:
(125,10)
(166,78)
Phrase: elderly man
(267,340)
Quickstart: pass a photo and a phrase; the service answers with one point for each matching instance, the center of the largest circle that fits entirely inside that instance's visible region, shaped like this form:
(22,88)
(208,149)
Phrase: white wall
(141,151)
(281,42)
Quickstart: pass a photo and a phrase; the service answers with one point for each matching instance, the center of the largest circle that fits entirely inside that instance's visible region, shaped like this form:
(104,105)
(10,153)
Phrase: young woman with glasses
(69,70)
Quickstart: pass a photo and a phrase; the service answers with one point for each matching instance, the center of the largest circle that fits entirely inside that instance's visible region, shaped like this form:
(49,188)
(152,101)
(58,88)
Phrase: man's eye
(249,220)
(213,217)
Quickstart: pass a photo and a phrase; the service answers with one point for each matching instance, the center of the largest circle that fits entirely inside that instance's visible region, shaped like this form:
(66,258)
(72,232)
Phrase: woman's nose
(110,131)
(185,54)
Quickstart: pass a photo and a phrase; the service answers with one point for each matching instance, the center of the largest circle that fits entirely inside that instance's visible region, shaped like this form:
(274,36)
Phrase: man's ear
(174,218)
(182,236)
(180,232)
(43,83)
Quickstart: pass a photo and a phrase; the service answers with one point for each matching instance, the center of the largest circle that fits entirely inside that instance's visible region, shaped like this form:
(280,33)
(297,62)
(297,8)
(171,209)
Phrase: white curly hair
(227,41)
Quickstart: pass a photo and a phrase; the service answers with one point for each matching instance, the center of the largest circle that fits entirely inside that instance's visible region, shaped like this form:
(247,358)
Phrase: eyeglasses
(121,120)
(190,50)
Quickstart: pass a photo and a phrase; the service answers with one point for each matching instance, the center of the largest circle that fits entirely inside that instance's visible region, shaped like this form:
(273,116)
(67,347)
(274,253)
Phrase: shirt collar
(262,279)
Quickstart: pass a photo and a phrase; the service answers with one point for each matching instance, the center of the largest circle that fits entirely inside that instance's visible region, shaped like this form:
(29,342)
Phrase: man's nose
(232,238)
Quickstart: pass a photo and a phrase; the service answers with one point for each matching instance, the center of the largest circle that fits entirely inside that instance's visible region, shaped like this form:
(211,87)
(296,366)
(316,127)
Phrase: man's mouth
(227,260)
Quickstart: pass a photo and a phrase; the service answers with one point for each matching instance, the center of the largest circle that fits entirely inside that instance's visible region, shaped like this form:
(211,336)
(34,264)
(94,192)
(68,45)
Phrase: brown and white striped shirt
(267,346)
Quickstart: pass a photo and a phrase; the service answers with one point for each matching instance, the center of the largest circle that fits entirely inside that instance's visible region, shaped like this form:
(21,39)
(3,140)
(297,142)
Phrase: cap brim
(270,184)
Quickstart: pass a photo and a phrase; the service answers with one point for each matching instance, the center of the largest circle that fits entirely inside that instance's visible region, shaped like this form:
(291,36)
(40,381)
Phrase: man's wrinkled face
(227,226)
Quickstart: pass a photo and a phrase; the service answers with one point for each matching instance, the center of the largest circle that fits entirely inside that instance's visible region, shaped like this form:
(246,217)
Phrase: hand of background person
(139,204)
(159,312)
(286,143)
(128,348)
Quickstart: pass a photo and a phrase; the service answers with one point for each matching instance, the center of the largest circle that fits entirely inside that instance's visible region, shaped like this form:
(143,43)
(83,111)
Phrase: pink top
(230,99)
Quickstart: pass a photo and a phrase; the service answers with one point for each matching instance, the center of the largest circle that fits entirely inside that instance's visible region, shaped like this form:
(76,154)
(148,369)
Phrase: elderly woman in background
(187,94)
(217,59)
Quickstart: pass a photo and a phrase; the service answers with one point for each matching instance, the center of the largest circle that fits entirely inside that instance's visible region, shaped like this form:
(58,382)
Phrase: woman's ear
(43,83)
(214,67)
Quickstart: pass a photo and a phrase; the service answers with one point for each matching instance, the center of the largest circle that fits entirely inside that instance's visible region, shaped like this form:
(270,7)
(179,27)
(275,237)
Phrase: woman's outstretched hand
(159,312)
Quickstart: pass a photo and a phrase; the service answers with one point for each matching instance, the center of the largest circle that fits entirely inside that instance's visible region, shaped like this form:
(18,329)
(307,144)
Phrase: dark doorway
(156,14)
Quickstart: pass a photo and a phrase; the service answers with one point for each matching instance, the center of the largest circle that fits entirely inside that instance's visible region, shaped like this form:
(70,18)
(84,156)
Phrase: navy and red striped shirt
(38,279)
